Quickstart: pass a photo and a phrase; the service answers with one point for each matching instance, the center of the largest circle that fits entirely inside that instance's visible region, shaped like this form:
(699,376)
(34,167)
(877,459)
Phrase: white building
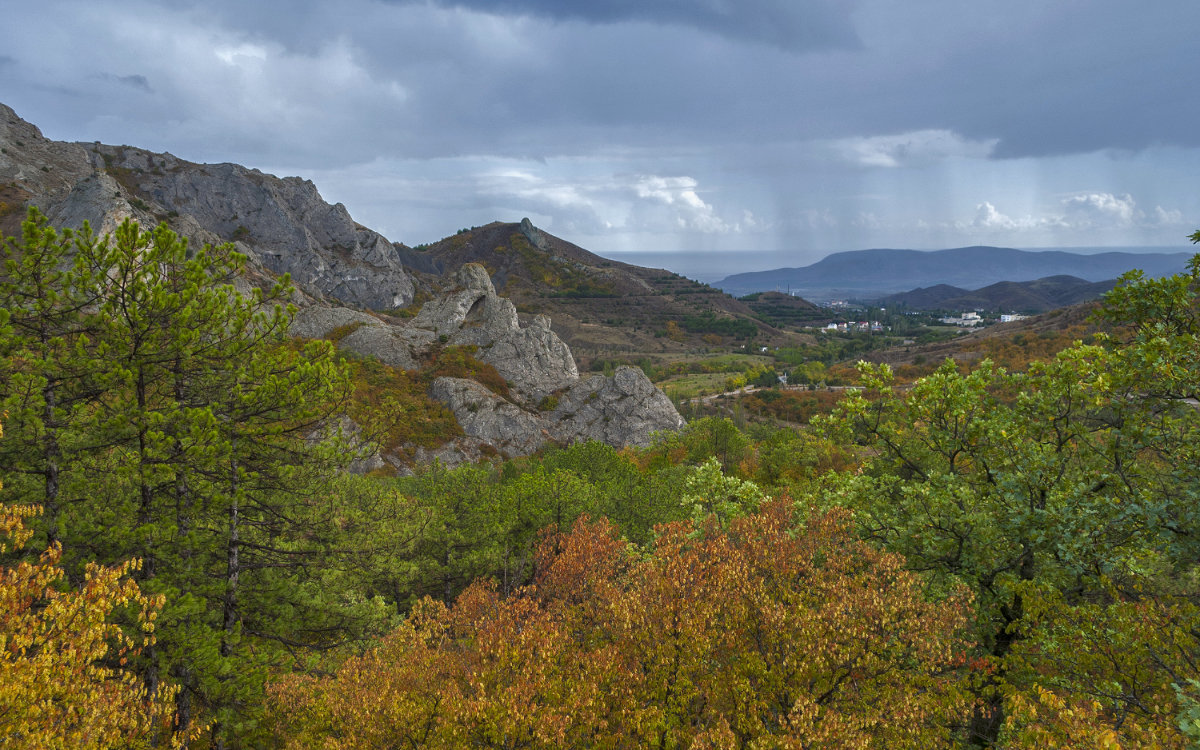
(967,320)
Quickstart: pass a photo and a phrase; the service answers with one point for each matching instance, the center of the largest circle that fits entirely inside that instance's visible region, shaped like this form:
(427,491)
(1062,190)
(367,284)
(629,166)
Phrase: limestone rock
(282,225)
(393,345)
(534,360)
(488,417)
(474,307)
(318,322)
(625,409)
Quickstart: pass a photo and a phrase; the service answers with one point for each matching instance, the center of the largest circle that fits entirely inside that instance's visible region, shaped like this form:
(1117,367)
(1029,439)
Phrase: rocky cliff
(342,270)
(282,225)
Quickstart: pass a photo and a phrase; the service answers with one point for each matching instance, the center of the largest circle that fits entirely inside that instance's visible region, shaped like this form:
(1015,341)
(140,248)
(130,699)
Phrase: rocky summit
(281,225)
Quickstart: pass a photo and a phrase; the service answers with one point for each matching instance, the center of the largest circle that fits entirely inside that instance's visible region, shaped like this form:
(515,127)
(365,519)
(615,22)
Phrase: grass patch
(393,408)
(460,362)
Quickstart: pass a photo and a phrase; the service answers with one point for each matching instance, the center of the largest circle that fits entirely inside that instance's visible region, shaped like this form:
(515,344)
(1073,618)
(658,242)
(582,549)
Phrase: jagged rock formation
(282,225)
(533,360)
(548,400)
(619,410)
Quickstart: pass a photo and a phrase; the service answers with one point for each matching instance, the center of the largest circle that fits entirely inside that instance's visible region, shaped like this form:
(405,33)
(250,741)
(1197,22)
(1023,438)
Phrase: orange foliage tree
(757,631)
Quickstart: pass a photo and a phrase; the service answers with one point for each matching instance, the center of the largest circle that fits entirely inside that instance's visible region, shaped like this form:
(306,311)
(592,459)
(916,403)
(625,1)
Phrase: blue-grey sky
(797,126)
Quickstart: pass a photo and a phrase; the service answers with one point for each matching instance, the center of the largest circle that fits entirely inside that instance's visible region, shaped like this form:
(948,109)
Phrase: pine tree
(200,420)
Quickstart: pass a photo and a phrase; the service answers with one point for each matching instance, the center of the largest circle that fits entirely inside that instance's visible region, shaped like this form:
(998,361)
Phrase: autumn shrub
(460,362)
(798,406)
(393,407)
(756,633)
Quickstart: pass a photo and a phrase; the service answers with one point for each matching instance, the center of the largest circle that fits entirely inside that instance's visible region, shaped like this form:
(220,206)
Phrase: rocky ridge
(281,225)
(341,270)
(548,401)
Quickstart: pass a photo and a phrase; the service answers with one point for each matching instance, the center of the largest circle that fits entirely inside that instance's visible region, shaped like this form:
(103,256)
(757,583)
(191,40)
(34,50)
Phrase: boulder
(625,409)
(393,345)
(488,417)
(317,322)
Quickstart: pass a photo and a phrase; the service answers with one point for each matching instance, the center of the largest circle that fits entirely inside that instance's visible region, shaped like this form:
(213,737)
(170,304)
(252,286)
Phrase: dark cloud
(1063,78)
(787,24)
(807,122)
(138,82)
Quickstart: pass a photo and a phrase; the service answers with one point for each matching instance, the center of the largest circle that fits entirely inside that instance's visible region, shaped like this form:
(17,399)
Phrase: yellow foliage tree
(63,682)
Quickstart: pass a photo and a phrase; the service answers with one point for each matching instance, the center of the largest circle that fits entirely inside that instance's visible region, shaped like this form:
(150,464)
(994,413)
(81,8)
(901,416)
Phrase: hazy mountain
(1006,296)
(875,273)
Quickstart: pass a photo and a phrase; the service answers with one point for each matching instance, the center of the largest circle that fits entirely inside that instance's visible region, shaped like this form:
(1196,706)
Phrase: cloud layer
(656,124)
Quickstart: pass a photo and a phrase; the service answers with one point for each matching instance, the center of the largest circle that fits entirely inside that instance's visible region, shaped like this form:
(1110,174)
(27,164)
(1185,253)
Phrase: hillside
(600,307)
(781,310)
(1036,296)
(867,274)
(1011,345)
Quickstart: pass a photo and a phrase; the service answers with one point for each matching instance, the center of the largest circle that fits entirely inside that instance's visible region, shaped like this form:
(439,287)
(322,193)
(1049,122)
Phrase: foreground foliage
(1065,497)
(65,680)
(158,414)
(982,558)
(714,638)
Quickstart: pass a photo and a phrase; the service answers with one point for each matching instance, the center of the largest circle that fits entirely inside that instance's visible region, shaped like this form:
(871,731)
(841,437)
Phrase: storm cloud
(665,125)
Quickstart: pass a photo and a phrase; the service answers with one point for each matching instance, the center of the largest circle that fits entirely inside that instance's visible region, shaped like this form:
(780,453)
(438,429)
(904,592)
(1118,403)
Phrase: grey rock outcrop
(319,322)
(282,225)
(392,345)
(534,360)
(625,409)
(547,402)
(489,418)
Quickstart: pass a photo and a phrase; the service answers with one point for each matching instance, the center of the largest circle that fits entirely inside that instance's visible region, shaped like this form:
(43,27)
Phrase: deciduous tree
(761,634)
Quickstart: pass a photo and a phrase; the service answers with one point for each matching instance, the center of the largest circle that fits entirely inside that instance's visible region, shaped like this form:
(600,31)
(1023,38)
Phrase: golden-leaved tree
(63,682)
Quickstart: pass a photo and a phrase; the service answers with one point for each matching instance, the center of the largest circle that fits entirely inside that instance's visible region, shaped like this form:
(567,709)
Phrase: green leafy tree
(1072,483)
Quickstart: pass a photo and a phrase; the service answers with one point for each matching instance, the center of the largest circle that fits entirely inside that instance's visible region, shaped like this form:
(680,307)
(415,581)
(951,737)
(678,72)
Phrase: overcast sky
(805,126)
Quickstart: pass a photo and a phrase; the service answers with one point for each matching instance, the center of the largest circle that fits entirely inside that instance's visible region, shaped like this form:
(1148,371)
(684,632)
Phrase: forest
(986,558)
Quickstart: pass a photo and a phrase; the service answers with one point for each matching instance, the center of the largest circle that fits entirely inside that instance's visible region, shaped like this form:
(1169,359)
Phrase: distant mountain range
(1007,296)
(872,274)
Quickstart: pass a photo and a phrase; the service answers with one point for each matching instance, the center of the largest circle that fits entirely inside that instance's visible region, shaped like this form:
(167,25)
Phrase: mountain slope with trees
(1040,295)
(601,307)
